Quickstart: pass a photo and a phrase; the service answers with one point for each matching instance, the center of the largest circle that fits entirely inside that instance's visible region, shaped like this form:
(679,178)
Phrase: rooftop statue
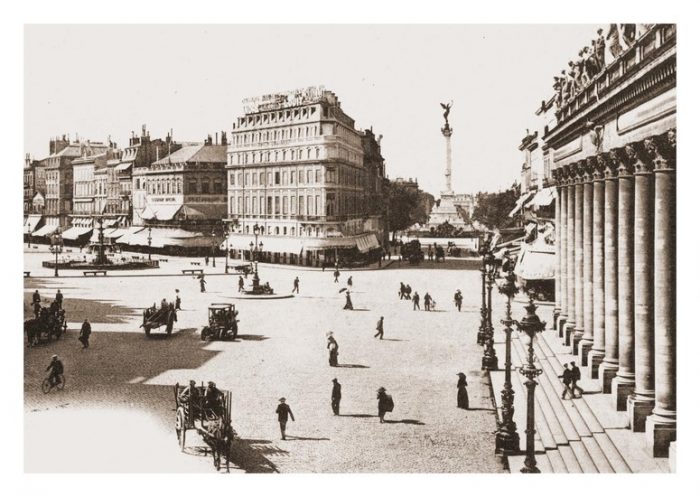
(447,108)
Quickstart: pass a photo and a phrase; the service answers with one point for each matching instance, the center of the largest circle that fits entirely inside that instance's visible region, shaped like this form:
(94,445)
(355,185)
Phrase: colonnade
(615,279)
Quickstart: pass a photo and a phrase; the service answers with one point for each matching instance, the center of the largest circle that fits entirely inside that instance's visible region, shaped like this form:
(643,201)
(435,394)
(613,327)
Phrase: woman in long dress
(462,395)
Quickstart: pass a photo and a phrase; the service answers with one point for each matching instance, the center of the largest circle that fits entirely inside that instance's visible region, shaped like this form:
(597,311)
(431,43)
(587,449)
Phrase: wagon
(223,324)
(155,318)
(48,326)
(213,424)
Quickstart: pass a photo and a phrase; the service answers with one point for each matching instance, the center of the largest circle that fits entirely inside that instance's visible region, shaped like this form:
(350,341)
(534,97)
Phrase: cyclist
(56,369)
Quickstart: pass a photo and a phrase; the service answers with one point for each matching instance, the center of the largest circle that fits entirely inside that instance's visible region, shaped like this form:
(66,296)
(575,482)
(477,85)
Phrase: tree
(404,208)
(492,209)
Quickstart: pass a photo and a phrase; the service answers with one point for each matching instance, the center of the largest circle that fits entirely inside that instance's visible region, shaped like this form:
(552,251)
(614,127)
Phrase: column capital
(566,174)
(662,150)
(639,158)
(556,175)
(620,159)
(589,168)
(603,162)
(579,173)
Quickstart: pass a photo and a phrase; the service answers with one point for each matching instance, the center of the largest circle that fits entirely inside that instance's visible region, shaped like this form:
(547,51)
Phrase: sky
(103,81)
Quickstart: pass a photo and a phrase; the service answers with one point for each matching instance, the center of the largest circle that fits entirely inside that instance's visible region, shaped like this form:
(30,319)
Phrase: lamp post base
(507,440)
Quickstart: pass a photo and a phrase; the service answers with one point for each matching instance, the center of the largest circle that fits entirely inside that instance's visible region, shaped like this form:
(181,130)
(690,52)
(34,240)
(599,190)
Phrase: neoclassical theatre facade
(612,153)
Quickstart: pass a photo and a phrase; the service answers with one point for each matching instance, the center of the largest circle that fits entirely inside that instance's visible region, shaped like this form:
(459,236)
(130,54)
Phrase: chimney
(143,130)
(216,138)
(223,138)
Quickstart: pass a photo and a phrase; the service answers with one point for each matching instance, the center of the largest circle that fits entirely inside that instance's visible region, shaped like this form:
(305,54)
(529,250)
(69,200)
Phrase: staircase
(584,435)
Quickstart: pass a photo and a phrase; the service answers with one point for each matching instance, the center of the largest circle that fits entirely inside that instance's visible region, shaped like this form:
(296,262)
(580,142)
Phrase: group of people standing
(428,301)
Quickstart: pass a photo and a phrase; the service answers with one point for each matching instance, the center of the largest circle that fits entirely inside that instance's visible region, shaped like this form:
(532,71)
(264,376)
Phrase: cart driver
(212,398)
(55,368)
(191,393)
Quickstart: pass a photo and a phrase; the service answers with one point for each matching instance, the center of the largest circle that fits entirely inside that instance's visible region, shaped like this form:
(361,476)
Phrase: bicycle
(47,384)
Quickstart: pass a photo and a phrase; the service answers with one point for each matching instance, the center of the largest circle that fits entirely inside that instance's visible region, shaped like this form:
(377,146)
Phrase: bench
(26,274)
(162,260)
(95,273)
(193,271)
(196,263)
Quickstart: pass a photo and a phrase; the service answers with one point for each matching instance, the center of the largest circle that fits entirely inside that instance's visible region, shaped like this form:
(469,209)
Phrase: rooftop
(197,154)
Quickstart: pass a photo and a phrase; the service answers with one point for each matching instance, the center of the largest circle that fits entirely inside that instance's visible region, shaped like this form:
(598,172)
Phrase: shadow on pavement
(481,409)
(357,415)
(354,366)
(405,421)
(393,340)
(290,437)
(252,338)
(250,458)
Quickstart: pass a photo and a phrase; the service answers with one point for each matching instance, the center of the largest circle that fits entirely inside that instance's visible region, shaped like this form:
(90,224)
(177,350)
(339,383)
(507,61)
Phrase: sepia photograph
(349,249)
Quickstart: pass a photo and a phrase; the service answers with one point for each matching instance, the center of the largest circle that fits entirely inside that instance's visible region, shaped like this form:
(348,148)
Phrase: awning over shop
(31,222)
(109,234)
(160,237)
(82,222)
(367,242)
(542,198)
(212,211)
(520,202)
(275,244)
(125,238)
(124,166)
(75,232)
(535,264)
(47,230)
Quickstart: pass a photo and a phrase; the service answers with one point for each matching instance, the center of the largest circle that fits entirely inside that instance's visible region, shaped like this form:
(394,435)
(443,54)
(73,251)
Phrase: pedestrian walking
(85,331)
(178,302)
(296,285)
(350,282)
(458,300)
(284,412)
(333,348)
(380,328)
(462,395)
(430,254)
(575,377)
(427,301)
(206,260)
(336,275)
(416,302)
(335,397)
(402,291)
(240,284)
(384,403)
(348,302)
(59,298)
(566,380)
(408,291)
(202,284)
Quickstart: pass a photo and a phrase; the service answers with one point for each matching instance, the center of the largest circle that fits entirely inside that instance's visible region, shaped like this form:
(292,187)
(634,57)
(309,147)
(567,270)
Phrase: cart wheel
(61,382)
(180,428)
(205,333)
(46,386)
(217,458)
(169,327)
(147,329)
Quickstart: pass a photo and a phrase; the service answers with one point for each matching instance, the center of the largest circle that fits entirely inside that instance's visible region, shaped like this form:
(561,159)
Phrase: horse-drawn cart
(155,318)
(212,421)
(48,325)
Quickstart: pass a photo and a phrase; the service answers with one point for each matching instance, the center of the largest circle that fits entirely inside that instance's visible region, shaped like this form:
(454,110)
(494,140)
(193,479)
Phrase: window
(317,210)
(293,205)
(291,177)
(232,205)
(284,230)
(318,175)
(255,205)
(292,155)
(192,188)
(308,176)
(284,178)
(217,187)
(255,179)
(232,178)
(205,185)
(247,179)
(240,205)
(309,205)
(285,202)
(262,179)
(277,178)
(269,178)
(269,205)
(292,231)
(277,205)
(262,205)
(301,205)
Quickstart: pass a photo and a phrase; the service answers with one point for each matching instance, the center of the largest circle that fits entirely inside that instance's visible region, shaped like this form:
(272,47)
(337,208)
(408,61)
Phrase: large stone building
(300,172)
(34,194)
(613,156)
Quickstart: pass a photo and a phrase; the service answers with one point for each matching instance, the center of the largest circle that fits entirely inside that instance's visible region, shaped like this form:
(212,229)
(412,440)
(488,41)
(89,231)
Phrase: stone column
(586,342)
(557,255)
(610,365)
(563,276)
(640,404)
(595,356)
(623,384)
(570,270)
(578,257)
(661,425)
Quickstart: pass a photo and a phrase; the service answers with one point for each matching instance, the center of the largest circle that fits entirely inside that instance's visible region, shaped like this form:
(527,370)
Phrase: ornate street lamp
(56,247)
(482,327)
(149,243)
(489,361)
(531,326)
(227,232)
(507,438)
(254,247)
(213,248)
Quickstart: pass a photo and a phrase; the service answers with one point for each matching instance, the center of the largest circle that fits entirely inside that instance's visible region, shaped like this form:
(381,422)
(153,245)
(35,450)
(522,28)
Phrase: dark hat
(335,380)
(211,383)
(381,389)
(282,399)
(573,363)
(461,374)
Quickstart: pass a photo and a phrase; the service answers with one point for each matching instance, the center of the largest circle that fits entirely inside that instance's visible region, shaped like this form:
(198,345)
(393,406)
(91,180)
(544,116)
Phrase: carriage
(223,324)
(155,318)
(49,325)
(212,423)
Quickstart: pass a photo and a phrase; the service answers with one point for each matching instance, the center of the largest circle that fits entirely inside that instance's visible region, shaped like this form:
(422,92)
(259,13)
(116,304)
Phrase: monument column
(570,269)
(661,425)
(557,247)
(447,133)
(586,342)
(640,404)
(595,356)
(579,171)
(562,256)
(623,384)
(610,365)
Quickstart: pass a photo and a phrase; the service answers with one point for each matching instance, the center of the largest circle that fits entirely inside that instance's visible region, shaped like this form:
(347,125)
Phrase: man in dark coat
(416,302)
(427,301)
(336,275)
(380,328)
(566,380)
(382,403)
(296,285)
(458,300)
(59,298)
(202,284)
(240,284)
(85,331)
(213,398)
(178,301)
(55,368)
(36,303)
(284,412)
(575,377)
(335,397)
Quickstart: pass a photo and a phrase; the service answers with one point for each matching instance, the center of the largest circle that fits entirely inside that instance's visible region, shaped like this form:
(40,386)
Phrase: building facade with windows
(300,171)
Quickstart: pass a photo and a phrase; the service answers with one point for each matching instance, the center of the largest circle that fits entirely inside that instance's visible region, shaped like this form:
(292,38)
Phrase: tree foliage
(405,207)
(492,209)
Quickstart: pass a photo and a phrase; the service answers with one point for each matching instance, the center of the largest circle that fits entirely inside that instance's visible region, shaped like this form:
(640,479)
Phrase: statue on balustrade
(592,67)
(614,37)
(599,50)
(558,89)
(629,34)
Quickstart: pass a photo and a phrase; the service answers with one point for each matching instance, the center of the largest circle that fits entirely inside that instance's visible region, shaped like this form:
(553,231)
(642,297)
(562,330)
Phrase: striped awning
(535,264)
(75,232)
(275,244)
(31,222)
(542,198)
(520,202)
(47,230)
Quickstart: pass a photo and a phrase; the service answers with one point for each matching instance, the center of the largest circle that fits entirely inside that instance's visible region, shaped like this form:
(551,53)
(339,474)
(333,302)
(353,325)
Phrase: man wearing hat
(55,368)
(212,398)
(178,302)
(283,413)
(85,331)
(384,403)
(335,397)
(462,395)
(458,300)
